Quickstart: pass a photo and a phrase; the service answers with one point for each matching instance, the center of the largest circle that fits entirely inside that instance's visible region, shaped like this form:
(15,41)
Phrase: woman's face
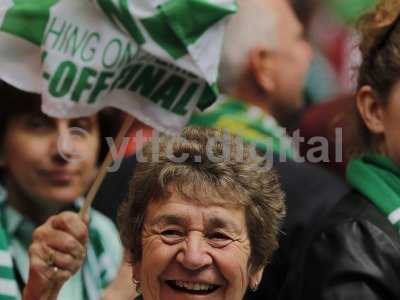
(42,166)
(192,251)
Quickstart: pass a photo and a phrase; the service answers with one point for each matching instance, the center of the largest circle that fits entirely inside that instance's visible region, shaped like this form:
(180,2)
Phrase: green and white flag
(155,59)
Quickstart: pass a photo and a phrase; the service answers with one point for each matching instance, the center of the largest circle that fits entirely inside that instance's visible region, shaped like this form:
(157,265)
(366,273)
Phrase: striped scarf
(248,122)
(102,260)
(377,178)
(8,284)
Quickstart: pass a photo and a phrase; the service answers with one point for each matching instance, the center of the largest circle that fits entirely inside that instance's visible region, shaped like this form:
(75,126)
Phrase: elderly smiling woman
(201,218)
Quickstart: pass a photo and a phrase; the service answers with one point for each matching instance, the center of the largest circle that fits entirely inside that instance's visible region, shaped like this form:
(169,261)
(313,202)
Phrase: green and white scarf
(103,258)
(377,177)
(247,121)
(8,284)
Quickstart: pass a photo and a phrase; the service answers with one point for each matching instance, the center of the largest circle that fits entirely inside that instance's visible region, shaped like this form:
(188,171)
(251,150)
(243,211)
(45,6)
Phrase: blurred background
(329,89)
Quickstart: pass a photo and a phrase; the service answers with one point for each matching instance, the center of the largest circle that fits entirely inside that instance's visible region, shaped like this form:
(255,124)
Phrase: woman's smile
(192,287)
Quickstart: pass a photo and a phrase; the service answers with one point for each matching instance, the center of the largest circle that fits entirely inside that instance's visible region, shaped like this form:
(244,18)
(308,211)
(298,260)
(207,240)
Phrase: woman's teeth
(194,286)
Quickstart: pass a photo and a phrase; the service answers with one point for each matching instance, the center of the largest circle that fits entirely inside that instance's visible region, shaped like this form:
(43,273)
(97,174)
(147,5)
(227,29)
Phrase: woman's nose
(64,143)
(194,256)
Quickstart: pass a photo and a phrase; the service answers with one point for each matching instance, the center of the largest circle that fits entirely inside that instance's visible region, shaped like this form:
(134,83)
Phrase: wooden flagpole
(127,124)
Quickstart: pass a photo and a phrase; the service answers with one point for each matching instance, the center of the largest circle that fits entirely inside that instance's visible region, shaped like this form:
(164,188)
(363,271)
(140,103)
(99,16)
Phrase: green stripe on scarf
(6,273)
(377,177)
(7,292)
(239,118)
(28,19)
(6,297)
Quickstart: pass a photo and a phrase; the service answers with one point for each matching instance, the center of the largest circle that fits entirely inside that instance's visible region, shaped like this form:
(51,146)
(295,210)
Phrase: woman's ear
(136,272)
(262,64)
(370,109)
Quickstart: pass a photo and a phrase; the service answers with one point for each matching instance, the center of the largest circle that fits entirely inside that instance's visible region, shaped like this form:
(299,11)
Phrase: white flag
(155,59)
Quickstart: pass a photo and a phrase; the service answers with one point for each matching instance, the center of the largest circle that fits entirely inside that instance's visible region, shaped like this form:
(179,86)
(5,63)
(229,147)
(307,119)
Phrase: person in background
(354,252)
(46,166)
(264,64)
(201,220)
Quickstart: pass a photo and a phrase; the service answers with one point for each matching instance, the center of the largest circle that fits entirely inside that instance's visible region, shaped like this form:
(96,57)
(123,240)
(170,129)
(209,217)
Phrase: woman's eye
(219,239)
(218,236)
(82,123)
(38,122)
(172,233)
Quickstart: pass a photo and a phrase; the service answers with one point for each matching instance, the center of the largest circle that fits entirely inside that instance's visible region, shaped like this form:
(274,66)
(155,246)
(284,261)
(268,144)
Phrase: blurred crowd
(331,76)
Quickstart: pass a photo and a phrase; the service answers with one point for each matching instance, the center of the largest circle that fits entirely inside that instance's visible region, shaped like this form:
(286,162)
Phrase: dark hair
(16,102)
(305,11)
(379,31)
(380,46)
(245,182)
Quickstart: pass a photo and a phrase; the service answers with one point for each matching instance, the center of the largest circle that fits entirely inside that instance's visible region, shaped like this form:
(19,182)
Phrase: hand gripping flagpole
(127,124)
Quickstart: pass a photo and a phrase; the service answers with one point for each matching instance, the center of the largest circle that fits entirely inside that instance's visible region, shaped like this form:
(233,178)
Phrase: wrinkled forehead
(203,194)
(180,210)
